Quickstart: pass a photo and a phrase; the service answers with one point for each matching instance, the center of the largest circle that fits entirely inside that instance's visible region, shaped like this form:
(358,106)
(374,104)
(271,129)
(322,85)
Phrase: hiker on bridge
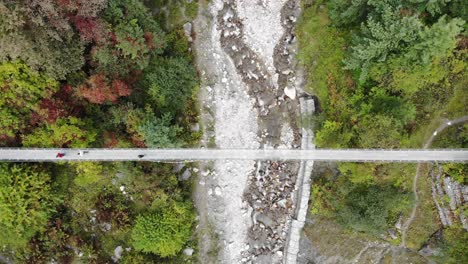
(81,153)
(60,155)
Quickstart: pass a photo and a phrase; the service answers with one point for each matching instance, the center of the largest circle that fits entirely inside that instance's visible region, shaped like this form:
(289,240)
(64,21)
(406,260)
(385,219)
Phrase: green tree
(371,208)
(458,8)
(380,131)
(135,37)
(358,173)
(388,34)
(381,102)
(65,132)
(159,133)
(169,83)
(130,39)
(145,126)
(348,12)
(26,203)
(333,135)
(436,41)
(380,38)
(434,7)
(164,231)
(22,89)
(26,36)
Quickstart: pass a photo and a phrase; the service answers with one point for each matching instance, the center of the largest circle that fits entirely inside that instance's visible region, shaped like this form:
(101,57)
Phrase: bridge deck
(362,155)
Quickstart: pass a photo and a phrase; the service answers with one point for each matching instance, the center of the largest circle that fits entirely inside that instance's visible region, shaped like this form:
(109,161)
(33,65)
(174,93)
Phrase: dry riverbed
(249,98)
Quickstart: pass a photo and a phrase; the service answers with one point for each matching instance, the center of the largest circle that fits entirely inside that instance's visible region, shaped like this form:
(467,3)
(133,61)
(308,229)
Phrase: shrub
(25,204)
(164,231)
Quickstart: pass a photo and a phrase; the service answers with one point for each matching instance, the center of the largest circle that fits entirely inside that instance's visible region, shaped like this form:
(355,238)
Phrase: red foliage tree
(110,139)
(98,90)
(121,88)
(149,40)
(61,104)
(90,29)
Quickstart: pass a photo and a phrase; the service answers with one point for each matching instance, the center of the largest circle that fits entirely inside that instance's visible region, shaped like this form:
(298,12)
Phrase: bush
(164,231)
(455,245)
(371,208)
(25,204)
(87,173)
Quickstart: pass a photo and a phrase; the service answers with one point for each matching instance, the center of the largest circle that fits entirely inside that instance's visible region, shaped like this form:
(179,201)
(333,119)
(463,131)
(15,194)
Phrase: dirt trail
(244,56)
(426,145)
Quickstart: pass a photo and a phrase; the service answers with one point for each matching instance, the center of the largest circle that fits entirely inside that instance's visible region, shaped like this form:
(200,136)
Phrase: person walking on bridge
(60,155)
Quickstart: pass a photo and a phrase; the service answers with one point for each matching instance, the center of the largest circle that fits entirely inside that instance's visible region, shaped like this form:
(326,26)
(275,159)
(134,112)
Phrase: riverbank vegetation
(386,74)
(101,73)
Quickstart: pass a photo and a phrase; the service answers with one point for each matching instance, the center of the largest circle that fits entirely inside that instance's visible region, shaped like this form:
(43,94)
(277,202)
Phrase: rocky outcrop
(450,198)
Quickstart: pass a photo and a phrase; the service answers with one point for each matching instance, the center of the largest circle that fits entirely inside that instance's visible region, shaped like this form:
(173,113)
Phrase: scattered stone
(178,167)
(282,203)
(106,227)
(286,72)
(186,175)
(117,253)
(428,251)
(188,251)
(195,170)
(195,127)
(392,234)
(398,224)
(218,191)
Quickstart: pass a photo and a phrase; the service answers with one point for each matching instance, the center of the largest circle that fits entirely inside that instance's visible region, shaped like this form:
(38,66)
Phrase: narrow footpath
(427,144)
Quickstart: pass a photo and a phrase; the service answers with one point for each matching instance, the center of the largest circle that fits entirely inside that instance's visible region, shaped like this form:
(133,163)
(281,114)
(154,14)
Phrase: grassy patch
(321,56)
(191,10)
(368,114)
(425,222)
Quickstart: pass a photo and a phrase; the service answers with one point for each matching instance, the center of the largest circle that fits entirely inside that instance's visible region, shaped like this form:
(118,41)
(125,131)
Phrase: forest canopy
(82,74)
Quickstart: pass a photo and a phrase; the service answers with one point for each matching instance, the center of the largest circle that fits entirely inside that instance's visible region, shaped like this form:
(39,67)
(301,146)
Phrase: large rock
(290,92)
(262,218)
(188,251)
(188,30)
(117,253)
